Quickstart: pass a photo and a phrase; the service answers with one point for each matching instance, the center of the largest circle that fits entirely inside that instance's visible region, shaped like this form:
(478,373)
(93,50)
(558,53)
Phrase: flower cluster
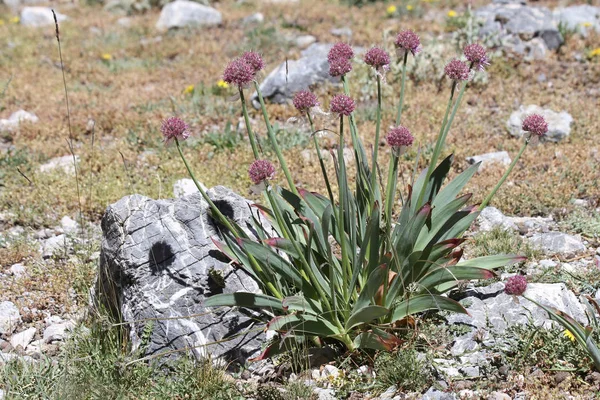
(476,55)
(399,137)
(406,41)
(457,70)
(377,58)
(241,71)
(516,285)
(342,105)
(339,59)
(260,171)
(305,100)
(535,124)
(174,128)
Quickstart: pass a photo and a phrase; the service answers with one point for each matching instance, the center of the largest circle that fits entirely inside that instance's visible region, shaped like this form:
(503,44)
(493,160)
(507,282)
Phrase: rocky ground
(51,235)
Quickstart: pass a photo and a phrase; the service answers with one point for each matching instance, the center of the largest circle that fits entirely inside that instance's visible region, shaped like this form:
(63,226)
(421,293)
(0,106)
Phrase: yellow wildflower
(586,24)
(15,20)
(409,7)
(106,57)
(222,84)
(452,13)
(1,22)
(595,52)
(567,333)
(391,9)
(189,89)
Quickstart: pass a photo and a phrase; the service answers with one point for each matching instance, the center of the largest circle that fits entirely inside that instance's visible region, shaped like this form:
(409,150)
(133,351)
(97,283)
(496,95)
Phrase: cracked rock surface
(157,265)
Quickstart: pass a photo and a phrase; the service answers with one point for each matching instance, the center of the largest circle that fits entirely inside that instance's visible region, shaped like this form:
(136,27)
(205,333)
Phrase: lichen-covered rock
(158,263)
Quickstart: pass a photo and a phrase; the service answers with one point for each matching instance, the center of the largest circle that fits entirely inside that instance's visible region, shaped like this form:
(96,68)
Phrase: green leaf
(375,280)
(300,303)
(453,188)
(453,273)
(377,339)
(266,256)
(491,262)
(305,324)
(244,299)
(425,302)
(365,315)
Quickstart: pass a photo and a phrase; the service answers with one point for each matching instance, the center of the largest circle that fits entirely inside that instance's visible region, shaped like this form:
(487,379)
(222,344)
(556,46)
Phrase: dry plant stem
(376,144)
(70,141)
(401,104)
(248,127)
(273,141)
(321,161)
(216,212)
(503,179)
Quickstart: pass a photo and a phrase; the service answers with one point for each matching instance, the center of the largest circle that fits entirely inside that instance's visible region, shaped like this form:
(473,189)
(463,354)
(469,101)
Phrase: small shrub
(405,369)
(499,241)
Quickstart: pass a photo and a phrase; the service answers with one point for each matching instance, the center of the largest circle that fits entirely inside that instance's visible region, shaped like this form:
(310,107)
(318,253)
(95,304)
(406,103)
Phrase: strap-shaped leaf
(377,339)
(365,315)
(491,262)
(244,299)
(301,303)
(374,281)
(304,324)
(425,302)
(265,256)
(439,217)
(453,188)
(453,273)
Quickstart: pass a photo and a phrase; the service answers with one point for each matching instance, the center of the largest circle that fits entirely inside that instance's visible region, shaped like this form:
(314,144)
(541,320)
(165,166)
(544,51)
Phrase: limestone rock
(558,243)
(580,18)
(559,124)
(185,187)
(9,317)
(489,159)
(65,163)
(39,16)
(183,13)
(12,123)
(158,261)
(22,339)
(57,331)
(491,217)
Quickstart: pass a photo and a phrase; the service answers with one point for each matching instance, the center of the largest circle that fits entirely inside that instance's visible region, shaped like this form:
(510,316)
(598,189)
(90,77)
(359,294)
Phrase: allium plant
(348,267)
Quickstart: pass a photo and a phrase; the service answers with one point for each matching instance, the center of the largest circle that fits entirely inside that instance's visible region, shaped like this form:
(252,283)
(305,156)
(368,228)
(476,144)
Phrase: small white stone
(183,13)
(489,159)
(22,339)
(9,317)
(69,225)
(17,270)
(256,18)
(39,16)
(57,332)
(65,163)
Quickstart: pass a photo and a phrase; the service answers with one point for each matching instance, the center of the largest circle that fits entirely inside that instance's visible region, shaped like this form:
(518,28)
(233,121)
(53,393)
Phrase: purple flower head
(407,40)
(515,285)
(238,72)
(260,171)
(377,58)
(340,66)
(342,105)
(174,128)
(399,137)
(340,50)
(477,55)
(305,100)
(535,124)
(254,59)
(457,70)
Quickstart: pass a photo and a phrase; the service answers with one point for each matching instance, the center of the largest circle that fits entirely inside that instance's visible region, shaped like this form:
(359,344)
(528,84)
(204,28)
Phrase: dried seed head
(174,128)
(305,100)
(254,59)
(516,285)
(407,40)
(340,50)
(238,72)
(400,136)
(342,105)
(477,55)
(457,70)
(377,58)
(535,124)
(260,171)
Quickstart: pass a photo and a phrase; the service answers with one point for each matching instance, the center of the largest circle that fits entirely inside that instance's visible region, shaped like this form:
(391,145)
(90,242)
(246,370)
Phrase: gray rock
(311,69)
(488,159)
(8,357)
(434,394)
(389,393)
(65,163)
(23,339)
(557,243)
(342,32)
(256,18)
(158,261)
(185,187)
(1,394)
(9,317)
(493,310)
(52,246)
(17,270)
(68,225)
(12,123)
(183,13)
(580,18)
(58,331)
(559,124)
(520,20)
(491,218)
(39,16)
(324,394)
(304,41)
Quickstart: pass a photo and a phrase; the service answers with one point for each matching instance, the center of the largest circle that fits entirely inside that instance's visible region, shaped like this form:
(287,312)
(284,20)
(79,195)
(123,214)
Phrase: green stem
(321,161)
(273,140)
(341,209)
(503,179)
(376,144)
(391,191)
(401,104)
(248,127)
